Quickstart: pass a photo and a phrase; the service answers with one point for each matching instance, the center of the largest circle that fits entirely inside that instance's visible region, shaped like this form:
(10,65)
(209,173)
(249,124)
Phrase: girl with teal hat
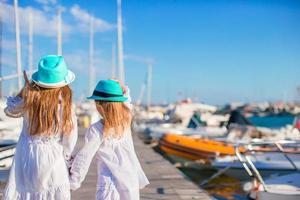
(49,134)
(120,175)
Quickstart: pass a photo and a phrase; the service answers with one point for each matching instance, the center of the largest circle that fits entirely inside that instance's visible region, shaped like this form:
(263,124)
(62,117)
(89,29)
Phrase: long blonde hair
(116,116)
(42,107)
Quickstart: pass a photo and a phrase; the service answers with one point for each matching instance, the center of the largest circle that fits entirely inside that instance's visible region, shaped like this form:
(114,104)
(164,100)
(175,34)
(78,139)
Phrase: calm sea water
(272,121)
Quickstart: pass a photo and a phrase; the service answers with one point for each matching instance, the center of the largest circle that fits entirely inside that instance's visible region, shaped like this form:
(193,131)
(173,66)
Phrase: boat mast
(298,91)
(91,56)
(141,94)
(120,43)
(59,34)
(113,61)
(149,85)
(18,45)
(1,49)
(30,43)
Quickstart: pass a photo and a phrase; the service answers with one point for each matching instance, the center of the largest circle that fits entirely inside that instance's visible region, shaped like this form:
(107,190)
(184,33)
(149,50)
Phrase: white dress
(39,170)
(120,175)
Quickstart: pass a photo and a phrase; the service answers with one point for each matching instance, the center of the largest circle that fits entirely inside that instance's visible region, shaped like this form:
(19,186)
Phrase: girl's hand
(27,84)
(26,78)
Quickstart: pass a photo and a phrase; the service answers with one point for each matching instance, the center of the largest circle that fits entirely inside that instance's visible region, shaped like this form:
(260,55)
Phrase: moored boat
(285,187)
(195,148)
(268,163)
(276,187)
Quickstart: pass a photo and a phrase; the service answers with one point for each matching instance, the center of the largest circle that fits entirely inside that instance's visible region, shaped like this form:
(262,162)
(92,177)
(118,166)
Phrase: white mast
(120,43)
(91,56)
(18,45)
(30,42)
(1,49)
(149,84)
(59,37)
(113,61)
(141,94)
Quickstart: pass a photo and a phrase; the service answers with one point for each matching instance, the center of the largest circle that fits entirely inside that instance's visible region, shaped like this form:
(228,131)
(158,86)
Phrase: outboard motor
(237,118)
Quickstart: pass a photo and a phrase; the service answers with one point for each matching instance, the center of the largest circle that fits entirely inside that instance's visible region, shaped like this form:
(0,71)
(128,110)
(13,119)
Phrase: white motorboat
(269,164)
(285,187)
(183,118)
(7,151)
(6,156)
(10,128)
(156,132)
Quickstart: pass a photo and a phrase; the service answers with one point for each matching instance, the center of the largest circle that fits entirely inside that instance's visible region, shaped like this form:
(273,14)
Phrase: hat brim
(110,99)
(69,79)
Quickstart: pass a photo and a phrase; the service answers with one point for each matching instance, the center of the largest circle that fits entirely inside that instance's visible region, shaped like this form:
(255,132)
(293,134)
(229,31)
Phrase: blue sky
(213,51)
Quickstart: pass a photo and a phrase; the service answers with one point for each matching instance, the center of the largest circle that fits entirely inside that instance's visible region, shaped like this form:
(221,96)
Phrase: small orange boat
(193,148)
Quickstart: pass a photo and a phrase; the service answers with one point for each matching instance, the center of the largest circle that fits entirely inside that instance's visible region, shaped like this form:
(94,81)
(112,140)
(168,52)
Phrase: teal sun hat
(53,72)
(108,90)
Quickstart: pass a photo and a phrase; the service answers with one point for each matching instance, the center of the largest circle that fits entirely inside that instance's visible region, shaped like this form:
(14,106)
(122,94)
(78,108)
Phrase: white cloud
(9,52)
(43,23)
(47,5)
(83,17)
(78,61)
(8,45)
(9,61)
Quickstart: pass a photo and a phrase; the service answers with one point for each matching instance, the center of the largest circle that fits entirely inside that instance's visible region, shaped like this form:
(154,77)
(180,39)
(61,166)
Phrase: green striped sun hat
(108,90)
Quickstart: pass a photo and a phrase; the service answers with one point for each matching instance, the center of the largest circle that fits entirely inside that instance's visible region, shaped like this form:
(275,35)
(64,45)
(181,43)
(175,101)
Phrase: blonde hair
(42,107)
(116,116)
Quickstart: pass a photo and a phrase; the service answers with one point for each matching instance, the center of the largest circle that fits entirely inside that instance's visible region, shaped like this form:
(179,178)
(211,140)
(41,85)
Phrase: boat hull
(194,148)
(241,174)
(271,196)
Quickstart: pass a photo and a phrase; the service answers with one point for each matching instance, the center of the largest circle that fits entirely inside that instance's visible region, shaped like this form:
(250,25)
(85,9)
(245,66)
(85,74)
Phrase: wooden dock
(166,182)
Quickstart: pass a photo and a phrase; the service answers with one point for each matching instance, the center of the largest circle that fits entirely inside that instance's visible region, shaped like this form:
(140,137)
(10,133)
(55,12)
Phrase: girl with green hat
(120,175)
(48,136)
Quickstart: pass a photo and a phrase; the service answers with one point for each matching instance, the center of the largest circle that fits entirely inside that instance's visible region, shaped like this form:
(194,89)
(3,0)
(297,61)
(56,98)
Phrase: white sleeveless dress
(39,170)
(120,175)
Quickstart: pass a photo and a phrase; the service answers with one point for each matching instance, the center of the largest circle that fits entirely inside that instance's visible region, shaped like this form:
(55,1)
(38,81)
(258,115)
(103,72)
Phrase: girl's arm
(83,159)
(14,107)
(69,140)
(143,180)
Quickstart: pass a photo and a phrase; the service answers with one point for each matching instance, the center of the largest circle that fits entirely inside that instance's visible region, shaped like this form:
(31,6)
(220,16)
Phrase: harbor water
(272,121)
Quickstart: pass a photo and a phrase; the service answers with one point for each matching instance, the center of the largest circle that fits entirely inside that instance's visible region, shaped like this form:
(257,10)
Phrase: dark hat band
(103,94)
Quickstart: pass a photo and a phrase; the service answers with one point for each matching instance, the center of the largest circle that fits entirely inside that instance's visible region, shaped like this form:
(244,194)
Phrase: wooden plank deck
(166,182)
